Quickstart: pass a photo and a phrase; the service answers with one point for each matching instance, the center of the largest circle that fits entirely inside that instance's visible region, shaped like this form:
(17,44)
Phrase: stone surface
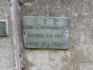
(80,54)
(86,66)
(7,60)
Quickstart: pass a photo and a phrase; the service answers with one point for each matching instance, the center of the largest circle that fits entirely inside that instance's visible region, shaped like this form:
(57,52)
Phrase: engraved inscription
(46,32)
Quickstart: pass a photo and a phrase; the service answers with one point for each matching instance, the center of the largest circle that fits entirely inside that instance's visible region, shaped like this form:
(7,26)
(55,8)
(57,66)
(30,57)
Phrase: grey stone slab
(46,32)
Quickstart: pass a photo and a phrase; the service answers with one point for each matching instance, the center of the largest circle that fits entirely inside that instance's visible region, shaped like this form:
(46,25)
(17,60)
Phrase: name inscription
(46,32)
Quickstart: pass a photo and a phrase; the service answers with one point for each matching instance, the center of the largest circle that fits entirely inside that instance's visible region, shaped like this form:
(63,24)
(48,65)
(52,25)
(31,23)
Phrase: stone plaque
(3,28)
(45,32)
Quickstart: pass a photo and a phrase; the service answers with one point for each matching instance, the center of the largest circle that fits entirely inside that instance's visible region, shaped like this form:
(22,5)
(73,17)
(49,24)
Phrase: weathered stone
(7,60)
(80,54)
(81,15)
